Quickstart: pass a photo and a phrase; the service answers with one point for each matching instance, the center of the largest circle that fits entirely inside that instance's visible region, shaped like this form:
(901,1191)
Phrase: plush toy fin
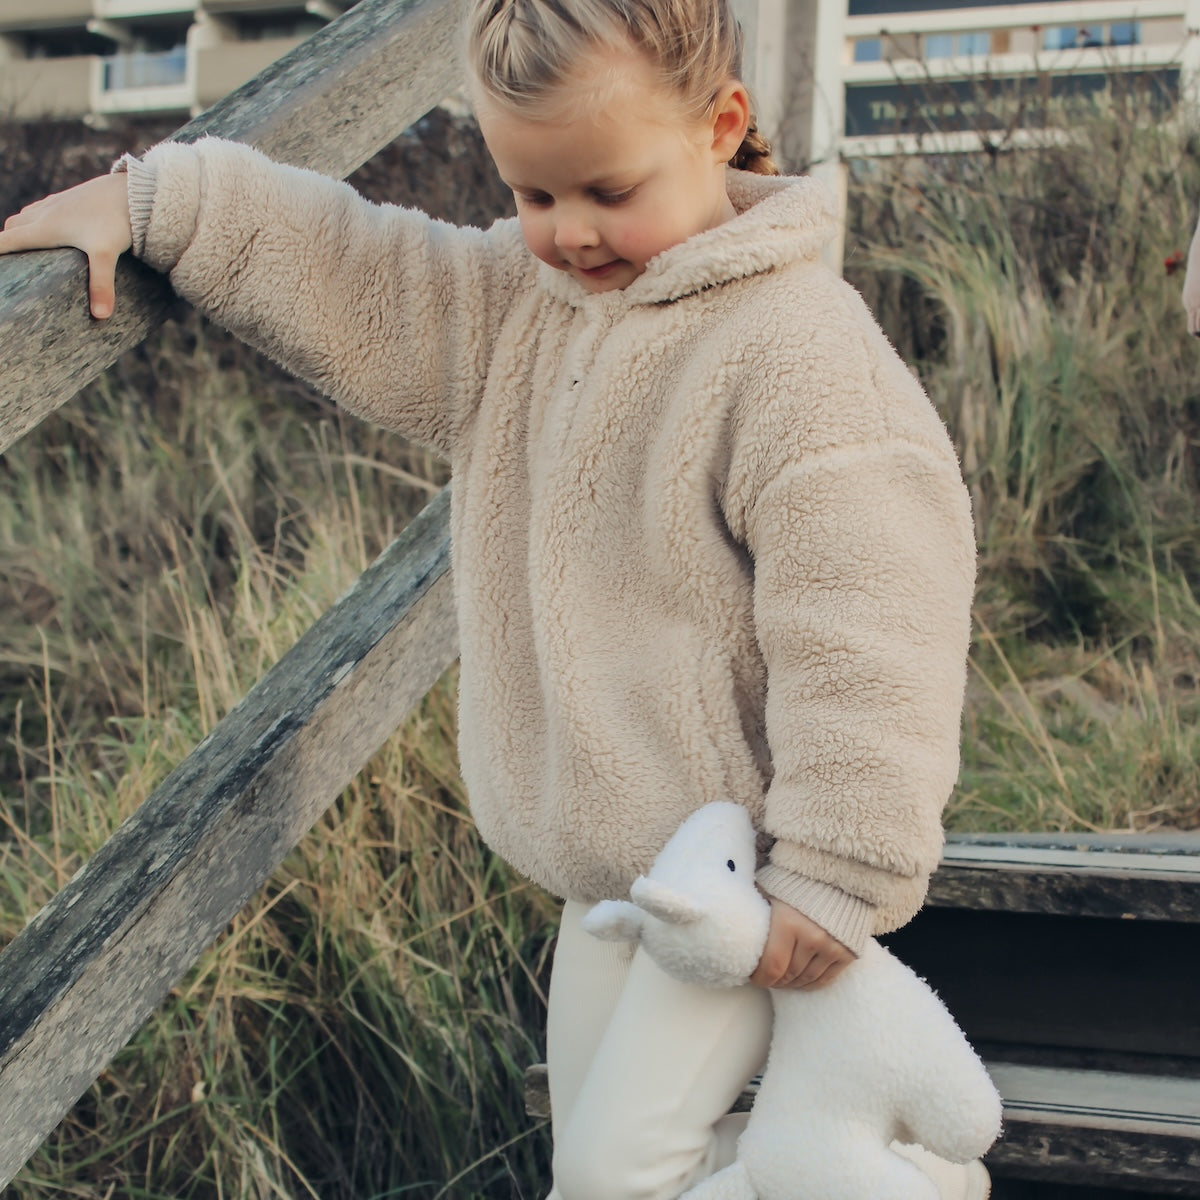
(664,902)
(614,921)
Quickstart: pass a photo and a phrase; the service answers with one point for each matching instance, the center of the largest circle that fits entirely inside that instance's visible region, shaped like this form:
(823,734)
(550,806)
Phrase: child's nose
(573,231)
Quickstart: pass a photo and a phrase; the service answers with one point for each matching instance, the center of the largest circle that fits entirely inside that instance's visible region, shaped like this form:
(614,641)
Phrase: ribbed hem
(845,917)
(141,197)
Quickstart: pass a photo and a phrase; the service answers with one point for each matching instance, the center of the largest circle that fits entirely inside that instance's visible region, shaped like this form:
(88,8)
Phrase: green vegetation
(360,1029)
(1034,292)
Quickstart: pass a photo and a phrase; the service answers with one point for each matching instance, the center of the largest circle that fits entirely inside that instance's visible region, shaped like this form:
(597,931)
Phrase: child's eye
(537,199)
(615,197)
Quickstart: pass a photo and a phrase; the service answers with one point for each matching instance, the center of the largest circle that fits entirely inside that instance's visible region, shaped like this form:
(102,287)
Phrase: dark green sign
(870,8)
(990,104)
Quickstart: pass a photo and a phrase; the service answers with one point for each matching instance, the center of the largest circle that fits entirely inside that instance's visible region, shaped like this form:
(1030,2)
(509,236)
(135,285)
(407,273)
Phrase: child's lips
(600,271)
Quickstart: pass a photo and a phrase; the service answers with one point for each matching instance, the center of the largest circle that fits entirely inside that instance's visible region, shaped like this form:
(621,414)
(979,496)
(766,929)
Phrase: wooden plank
(1091,847)
(1078,1127)
(1100,875)
(1100,1099)
(1095,1127)
(97,960)
(329,104)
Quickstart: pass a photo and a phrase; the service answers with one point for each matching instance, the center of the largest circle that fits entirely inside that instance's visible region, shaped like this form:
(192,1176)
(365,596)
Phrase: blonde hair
(521,52)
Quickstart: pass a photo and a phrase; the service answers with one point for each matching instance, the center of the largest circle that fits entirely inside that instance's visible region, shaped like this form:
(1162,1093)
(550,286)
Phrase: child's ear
(730,120)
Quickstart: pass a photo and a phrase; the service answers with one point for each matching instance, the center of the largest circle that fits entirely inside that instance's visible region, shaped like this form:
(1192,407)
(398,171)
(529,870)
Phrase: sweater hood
(781,219)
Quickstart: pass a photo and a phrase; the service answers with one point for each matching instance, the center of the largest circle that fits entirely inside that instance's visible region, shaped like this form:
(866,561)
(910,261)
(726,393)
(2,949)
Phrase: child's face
(605,188)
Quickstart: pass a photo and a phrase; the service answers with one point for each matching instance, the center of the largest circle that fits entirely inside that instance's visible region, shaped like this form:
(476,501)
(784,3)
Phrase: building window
(1070,37)
(939,45)
(145,69)
(868,50)
(957,45)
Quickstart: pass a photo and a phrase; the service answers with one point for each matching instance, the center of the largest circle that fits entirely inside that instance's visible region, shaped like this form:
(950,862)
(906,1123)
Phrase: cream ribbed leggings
(642,1070)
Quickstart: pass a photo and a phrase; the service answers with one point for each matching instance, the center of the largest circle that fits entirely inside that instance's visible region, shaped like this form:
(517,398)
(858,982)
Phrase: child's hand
(93,217)
(798,953)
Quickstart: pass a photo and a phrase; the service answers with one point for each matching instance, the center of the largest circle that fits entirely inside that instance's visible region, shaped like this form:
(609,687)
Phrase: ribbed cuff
(841,915)
(141,185)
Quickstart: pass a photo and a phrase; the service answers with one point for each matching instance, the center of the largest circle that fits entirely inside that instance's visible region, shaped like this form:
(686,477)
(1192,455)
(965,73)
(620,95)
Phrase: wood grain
(99,958)
(329,104)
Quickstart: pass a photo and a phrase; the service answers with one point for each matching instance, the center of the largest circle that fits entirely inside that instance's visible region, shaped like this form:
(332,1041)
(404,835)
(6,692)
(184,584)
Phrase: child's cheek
(539,238)
(645,233)
(644,243)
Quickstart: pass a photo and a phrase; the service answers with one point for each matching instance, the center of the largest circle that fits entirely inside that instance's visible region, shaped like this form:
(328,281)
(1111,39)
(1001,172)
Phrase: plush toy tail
(732,1183)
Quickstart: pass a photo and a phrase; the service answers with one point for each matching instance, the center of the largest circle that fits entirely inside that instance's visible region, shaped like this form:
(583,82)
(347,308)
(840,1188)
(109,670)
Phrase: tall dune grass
(360,1028)
(1033,290)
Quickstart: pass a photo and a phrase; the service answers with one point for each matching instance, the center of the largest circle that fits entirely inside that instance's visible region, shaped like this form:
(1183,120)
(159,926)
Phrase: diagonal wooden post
(84,975)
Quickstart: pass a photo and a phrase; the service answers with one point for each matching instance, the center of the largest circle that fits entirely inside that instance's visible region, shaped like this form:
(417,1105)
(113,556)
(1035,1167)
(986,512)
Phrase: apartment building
(100,59)
(896,76)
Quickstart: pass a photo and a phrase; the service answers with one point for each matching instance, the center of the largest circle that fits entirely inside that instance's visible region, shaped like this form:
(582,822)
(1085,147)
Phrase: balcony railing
(148,69)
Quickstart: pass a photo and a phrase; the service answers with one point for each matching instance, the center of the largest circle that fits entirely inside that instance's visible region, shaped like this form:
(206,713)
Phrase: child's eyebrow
(616,180)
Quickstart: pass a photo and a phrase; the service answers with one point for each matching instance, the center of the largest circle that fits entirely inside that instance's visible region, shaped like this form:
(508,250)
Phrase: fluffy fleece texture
(871,1059)
(710,538)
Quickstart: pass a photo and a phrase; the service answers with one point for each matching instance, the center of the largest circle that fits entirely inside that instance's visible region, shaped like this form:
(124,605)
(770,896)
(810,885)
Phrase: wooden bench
(1073,964)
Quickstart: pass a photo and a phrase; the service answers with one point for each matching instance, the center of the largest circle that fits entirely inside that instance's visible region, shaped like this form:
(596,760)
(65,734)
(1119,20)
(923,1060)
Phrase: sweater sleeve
(391,313)
(862,541)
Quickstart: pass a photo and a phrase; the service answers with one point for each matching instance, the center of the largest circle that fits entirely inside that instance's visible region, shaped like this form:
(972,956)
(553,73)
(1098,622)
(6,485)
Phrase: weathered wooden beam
(329,104)
(98,959)
(1146,877)
(1098,1127)
(1082,1128)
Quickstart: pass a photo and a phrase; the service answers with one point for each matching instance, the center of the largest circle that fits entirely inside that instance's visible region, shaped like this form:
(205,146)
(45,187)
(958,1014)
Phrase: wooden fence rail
(81,978)
(330,104)
(89,969)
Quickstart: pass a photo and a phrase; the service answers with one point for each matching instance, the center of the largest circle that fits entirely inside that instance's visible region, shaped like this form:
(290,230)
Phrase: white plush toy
(870,1059)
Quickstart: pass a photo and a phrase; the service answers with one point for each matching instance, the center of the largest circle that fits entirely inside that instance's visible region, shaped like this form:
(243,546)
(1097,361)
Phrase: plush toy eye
(730,865)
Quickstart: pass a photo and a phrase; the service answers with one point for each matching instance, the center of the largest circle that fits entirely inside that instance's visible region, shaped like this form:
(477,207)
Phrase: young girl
(711,539)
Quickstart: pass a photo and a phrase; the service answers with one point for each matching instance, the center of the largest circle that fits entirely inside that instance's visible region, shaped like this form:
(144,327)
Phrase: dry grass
(1031,290)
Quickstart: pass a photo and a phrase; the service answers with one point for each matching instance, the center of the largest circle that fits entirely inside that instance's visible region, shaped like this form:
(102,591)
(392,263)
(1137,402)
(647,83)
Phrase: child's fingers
(91,216)
(102,284)
(22,232)
(820,972)
(27,214)
(27,232)
(36,228)
(772,968)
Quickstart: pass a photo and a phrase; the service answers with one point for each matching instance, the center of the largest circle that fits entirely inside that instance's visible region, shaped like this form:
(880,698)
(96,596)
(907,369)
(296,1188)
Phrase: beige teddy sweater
(710,539)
